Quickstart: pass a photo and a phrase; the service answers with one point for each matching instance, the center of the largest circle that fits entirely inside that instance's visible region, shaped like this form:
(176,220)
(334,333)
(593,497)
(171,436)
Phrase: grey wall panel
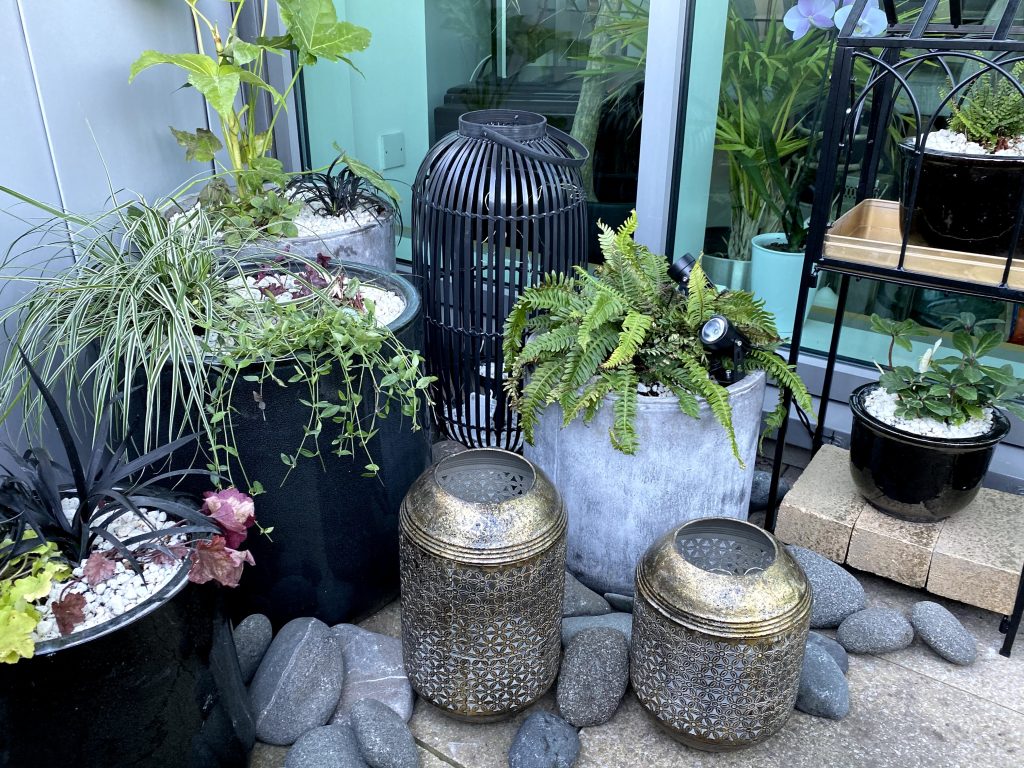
(80,54)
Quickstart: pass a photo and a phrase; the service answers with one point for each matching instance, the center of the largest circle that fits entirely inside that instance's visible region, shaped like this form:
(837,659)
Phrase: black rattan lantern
(496,205)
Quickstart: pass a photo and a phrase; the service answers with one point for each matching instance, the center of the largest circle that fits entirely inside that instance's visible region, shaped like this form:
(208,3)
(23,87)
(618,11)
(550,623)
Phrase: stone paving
(909,708)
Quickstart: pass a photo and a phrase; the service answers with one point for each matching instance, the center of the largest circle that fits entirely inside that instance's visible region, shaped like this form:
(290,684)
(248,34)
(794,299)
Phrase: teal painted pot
(731,274)
(775,277)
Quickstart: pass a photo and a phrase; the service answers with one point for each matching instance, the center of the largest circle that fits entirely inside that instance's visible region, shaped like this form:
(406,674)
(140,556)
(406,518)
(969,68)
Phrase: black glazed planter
(333,553)
(923,479)
(158,687)
(964,202)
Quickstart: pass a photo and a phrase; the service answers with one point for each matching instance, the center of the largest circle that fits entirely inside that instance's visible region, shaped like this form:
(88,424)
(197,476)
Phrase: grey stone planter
(372,245)
(618,505)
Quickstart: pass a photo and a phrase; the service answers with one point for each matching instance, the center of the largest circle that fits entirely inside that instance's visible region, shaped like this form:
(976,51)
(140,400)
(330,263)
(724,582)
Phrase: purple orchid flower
(871,23)
(809,13)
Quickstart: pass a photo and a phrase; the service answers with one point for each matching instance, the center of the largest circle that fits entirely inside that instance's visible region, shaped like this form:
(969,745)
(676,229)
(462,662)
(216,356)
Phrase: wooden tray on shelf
(871,233)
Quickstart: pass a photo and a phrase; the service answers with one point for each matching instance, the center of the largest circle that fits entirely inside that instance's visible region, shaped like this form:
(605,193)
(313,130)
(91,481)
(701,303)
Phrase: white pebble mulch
(312,224)
(388,305)
(882,405)
(121,592)
(950,141)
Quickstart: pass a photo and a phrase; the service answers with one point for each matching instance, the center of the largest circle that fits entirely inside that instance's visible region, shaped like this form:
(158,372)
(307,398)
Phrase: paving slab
(898,719)
(896,549)
(470,745)
(822,507)
(979,553)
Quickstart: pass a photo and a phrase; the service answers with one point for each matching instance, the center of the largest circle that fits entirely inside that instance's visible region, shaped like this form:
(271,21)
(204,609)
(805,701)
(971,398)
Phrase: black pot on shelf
(333,553)
(157,687)
(964,202)
(912,477)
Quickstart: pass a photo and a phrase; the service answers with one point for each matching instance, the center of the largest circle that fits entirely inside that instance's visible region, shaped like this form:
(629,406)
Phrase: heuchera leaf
(98,568)
(179,552)
(233,511)
(212,560)
(69,612)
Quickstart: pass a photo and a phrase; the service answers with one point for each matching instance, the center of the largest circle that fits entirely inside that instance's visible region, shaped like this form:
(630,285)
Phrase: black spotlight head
(724,341)
(680,269)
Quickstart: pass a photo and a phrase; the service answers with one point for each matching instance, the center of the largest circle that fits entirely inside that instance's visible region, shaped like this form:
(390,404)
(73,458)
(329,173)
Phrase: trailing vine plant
(627,332)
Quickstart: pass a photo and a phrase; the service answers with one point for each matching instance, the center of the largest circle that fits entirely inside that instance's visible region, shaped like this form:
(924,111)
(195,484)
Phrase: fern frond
(717,398)
(605,308)
(535,395)
(624,385)
(631,338)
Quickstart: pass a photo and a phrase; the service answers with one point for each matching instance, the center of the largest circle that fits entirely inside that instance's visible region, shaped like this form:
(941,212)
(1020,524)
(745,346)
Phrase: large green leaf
(220,88)
(317,33)
(193,63)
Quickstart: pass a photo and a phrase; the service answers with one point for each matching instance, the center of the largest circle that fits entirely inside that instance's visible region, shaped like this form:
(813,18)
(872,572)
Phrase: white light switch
(392,150)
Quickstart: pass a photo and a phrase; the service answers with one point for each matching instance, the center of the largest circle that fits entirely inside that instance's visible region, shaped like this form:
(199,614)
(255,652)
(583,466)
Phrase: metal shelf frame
(857,124)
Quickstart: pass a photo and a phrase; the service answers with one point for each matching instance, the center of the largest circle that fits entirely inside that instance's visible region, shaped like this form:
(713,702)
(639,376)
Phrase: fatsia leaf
(200,145)
(212,560)
(193,63)
(69,612)
(98,568)
(316,32)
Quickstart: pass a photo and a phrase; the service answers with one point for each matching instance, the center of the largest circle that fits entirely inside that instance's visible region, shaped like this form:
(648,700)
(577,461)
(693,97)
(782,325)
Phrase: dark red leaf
(98,568)
(213,561)
(69,612)
(180,551)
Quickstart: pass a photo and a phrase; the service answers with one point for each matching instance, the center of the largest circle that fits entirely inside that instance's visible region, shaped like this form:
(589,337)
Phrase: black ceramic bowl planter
(157,687)
(923,479)
(964,202)
(333,552)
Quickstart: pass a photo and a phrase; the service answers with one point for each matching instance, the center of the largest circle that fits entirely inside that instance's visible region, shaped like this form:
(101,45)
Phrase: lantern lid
(725,577)
(485,507)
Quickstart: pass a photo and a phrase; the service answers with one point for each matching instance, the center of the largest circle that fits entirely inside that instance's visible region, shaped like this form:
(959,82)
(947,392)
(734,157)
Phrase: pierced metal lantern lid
(725,577)
(484,507)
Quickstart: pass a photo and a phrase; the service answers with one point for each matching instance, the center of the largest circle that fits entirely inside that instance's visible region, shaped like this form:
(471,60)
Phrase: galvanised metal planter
(372,245)
(719,625)
(157,687)
(912,477)
(618,504)
(482,564)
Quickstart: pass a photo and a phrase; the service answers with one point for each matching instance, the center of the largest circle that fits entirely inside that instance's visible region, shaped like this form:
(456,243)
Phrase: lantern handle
(543,157)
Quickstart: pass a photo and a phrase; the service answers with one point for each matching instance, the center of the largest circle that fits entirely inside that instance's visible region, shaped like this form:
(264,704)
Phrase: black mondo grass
(347,187)
(102,481)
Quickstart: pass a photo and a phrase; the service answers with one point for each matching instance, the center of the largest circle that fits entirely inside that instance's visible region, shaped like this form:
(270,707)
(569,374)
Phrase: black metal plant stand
(871,98)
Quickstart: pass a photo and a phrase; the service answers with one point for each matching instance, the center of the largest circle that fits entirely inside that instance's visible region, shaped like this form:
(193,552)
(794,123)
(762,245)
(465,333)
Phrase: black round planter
(964,202)
(333,552)
(157,687)
(923,479)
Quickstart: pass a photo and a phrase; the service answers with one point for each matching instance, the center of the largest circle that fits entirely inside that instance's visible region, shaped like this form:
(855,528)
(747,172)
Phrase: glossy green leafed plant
(952,389)
(575,340)
(229,72)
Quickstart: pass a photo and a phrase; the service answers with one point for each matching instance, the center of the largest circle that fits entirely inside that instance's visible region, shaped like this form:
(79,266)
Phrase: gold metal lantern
(482,539)
(719,626)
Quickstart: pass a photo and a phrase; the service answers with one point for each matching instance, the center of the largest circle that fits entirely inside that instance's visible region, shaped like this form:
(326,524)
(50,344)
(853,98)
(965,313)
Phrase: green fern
(992,110)
(589,339)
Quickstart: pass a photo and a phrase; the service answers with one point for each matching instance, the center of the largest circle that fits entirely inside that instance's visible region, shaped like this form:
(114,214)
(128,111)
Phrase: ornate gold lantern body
(482,539)
(719,626)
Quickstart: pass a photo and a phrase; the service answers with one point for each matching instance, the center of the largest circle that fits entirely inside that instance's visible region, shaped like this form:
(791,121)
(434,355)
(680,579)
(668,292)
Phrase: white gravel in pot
(309,223)
(388,305)
(881,404)
(945,140)
(118,594)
